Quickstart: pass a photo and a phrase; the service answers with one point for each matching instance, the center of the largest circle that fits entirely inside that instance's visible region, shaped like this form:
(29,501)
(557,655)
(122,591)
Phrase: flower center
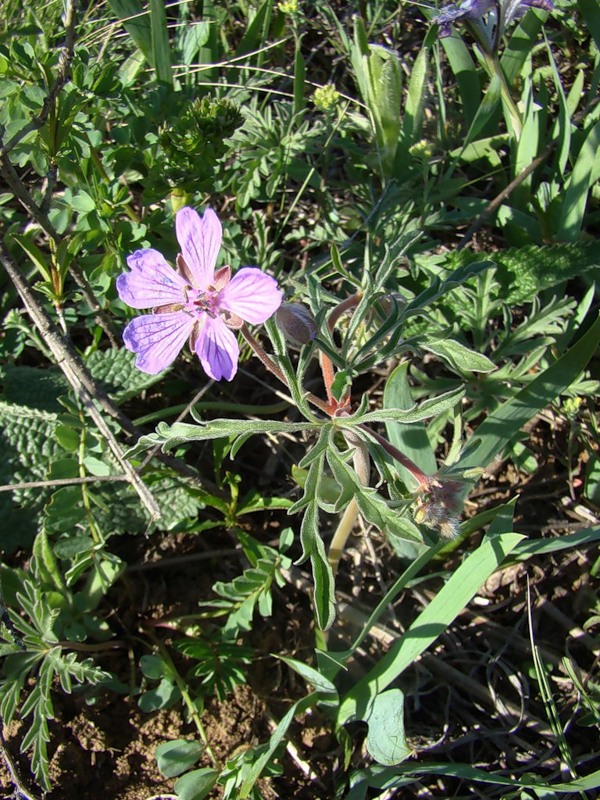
(199,302)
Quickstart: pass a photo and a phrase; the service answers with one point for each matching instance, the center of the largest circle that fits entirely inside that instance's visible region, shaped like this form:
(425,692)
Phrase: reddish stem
(274,368)
(326,363)
(421,477)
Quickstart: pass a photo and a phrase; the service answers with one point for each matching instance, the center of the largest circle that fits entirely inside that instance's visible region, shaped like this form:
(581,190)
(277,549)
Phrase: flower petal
(252,295)
(157,339)
(151,282)
(200,241)
(218,350)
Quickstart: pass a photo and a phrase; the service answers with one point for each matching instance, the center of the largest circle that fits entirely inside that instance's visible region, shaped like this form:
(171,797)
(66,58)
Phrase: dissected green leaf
(497,430)
(459,356)
(170,436)
(372,506)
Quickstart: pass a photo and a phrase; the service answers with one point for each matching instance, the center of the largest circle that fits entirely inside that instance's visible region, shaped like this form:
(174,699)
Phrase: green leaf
(276,739)
(311,676)
(46,565)
(38,258)
(329,490)
(313,546)
(164,696)
(462,358)
(496,431)
(170,436)
(116,371)
(299,78)
(590,11)
(574,200)
(410,439)
(153,667)
(371,505)
(379,77)
(386,741)
(159,35)
(27,448)
(177,756)
(34,388)
(255,35)
(519,45)
(197,784)
(81,201)
(523,272)
(450,601)
(465,72)
(413,112)
(432,407)
(485,112)
(137,24)
(571,541)
(400,776)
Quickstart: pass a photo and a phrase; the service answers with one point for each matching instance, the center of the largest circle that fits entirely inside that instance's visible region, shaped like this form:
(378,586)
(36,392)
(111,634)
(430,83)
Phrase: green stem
(182,686)
(96,535)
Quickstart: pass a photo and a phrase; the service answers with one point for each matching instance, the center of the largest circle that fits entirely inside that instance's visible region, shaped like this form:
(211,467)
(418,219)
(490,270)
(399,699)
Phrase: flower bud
(438,506)
(297,323)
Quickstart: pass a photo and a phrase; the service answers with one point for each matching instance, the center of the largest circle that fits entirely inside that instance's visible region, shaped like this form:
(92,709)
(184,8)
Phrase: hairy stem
(270,364)
(346,524)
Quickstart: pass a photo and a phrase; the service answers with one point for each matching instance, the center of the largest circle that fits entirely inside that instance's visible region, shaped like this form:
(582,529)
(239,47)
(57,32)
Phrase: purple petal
(218,350)
(157,339)
(251,295)
(545,5)
(200,241)
(151,282)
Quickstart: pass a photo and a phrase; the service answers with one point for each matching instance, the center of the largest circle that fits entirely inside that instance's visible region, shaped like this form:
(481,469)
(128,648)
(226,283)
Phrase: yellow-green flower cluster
(288,6)
(326,97)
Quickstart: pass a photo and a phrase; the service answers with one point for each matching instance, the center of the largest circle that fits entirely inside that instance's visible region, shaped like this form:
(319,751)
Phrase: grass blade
(160,42)
(442,610)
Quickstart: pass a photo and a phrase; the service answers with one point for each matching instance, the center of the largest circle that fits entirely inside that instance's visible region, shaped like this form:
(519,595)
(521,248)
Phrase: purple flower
(474,10)
(469,9)
(194,302)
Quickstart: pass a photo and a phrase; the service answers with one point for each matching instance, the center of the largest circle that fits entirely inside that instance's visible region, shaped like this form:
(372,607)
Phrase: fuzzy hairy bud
(297,323)
(438,505)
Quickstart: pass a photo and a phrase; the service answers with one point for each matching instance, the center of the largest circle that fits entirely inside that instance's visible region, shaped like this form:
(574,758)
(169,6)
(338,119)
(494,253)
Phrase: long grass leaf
(137,24)
(518,48)
(585,173)
(160,42)
(590,11)
(442,610)
(465,72)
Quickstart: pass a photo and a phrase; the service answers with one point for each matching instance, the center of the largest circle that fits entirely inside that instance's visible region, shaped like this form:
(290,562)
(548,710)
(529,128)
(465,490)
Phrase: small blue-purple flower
(468,9)
(474,10)
(194,302)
